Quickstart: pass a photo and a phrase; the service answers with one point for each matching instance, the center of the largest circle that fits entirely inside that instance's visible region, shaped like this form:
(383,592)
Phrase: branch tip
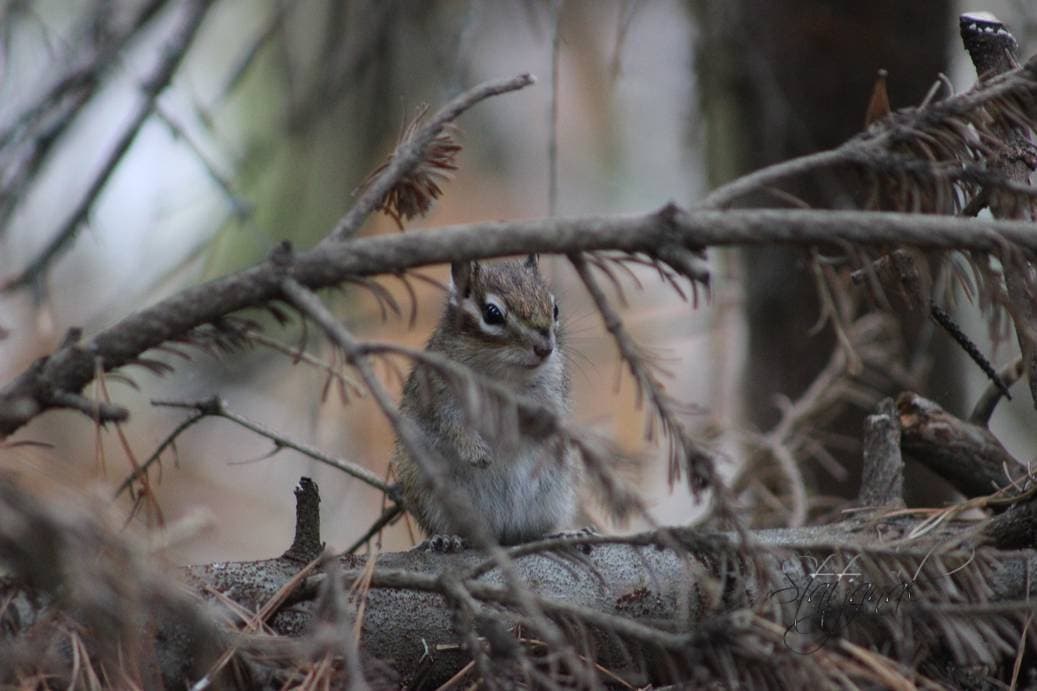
(307,545)
(882,477)
(72,337)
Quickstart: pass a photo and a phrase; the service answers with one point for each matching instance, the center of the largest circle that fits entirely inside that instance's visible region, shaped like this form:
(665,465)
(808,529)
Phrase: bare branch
(216,407)
(28,139)
(72,367)
(102,411)
(193,12)
(638,592)
(388,516)
(552,109)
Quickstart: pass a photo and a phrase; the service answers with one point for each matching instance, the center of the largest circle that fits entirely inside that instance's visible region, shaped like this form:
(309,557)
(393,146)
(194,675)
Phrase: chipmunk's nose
(544,347)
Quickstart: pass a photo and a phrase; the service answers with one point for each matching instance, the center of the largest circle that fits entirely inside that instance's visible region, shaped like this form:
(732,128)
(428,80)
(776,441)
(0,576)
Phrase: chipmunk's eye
(556,311)
(492,315)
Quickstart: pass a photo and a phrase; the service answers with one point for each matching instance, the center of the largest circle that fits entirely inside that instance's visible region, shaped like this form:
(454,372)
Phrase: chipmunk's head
(506,309)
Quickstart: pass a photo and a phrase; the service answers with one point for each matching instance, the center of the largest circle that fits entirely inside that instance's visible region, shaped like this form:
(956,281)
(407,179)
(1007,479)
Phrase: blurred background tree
(781,80)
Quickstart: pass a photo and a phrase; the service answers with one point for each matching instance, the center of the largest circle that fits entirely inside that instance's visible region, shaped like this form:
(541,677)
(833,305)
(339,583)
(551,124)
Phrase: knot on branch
(671,217)
(668,214)
(213,405)
(282,255)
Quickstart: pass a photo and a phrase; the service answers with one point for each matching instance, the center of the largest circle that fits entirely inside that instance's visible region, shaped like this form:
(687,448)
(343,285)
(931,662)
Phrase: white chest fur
(519,487)
(523,492)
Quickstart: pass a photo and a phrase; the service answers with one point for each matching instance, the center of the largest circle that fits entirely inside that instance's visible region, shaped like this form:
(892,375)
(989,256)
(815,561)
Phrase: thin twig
(297,355)
(215,407)
(274,23)
(259,619)
(552,110)
(239,208)
(490,592)
(170,439)
(951,327)
(985,405)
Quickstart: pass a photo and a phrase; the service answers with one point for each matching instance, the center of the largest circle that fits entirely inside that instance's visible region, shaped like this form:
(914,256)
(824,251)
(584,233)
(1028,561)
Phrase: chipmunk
(501,320)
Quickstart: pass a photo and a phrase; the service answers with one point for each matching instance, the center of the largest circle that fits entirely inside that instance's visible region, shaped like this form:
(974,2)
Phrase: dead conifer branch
(333,371)
(415,190)
(685,454)
(1012,155)
(946,122)
(953,594)
(635,593)
(307,544)
(68,570)
(410,154)
(882,477)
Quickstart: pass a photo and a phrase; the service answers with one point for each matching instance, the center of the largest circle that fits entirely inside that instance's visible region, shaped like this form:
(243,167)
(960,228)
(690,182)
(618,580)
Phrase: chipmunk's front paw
(443,544)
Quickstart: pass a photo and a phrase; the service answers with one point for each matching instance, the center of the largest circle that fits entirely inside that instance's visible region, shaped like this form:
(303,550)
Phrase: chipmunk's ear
(463,274)
(533,261)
